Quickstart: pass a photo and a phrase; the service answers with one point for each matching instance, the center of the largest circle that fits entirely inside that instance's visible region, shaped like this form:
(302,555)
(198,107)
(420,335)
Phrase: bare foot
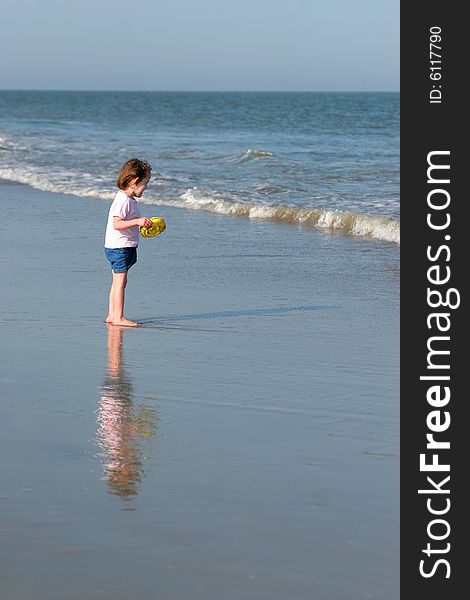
(123,323)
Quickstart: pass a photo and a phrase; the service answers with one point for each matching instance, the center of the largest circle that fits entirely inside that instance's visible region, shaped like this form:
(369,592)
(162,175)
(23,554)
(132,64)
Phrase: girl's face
(140,186)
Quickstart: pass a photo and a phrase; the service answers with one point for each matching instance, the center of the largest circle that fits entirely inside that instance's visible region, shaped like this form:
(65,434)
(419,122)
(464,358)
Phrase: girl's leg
(116,301)
(111,309)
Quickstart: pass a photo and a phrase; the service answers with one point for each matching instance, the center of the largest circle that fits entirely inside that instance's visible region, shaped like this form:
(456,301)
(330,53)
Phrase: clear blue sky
(299,45)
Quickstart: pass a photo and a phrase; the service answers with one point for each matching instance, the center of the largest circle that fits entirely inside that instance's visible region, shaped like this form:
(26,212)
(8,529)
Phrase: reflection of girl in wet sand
(121,427)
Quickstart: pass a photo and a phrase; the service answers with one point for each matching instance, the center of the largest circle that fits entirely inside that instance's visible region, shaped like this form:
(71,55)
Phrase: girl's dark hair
(132,168)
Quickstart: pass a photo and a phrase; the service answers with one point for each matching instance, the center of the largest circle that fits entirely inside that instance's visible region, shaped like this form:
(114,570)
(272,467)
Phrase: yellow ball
(157,227)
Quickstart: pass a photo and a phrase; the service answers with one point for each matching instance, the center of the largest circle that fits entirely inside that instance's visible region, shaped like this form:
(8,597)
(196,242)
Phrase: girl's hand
(145,222)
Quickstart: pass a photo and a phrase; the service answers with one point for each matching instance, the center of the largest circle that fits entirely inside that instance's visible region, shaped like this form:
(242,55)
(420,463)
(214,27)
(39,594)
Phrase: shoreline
(360,226)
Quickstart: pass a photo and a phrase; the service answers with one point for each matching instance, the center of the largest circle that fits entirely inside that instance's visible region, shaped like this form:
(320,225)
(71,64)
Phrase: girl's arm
(120,223)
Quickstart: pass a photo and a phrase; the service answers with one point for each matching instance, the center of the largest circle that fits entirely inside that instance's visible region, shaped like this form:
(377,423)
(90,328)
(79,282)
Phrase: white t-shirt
(125,207)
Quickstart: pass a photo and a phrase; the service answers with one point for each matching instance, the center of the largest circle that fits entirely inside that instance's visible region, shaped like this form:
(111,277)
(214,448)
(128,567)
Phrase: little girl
(122,233)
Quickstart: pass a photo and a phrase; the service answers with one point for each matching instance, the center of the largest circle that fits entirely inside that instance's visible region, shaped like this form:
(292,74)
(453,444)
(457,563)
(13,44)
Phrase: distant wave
(5,144)
(249,155)
(376,227)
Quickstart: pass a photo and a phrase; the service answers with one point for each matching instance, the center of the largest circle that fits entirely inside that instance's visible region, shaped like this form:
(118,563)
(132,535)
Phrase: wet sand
(242,443)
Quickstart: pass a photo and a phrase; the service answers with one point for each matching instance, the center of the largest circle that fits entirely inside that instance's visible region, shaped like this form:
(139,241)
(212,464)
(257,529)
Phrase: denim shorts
(121,259)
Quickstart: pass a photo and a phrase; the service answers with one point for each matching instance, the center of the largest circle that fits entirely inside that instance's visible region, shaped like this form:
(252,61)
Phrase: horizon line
(192,91)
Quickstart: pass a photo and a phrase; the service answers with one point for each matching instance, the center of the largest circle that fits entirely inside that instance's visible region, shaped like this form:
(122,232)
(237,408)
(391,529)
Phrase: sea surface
(316,160)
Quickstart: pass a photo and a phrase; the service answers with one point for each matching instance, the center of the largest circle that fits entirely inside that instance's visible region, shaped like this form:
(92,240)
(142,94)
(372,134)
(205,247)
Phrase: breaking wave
(376,227)
(380,228)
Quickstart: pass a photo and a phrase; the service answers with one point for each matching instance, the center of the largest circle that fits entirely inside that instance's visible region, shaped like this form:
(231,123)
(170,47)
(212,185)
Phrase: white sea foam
(356,224)
(350,223)
(56,184)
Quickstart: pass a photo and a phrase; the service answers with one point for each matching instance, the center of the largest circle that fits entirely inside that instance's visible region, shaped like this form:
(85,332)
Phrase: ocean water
(315,160)
(244,441)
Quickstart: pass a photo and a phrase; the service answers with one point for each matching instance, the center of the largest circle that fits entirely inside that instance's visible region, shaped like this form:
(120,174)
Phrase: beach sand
(243,443)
